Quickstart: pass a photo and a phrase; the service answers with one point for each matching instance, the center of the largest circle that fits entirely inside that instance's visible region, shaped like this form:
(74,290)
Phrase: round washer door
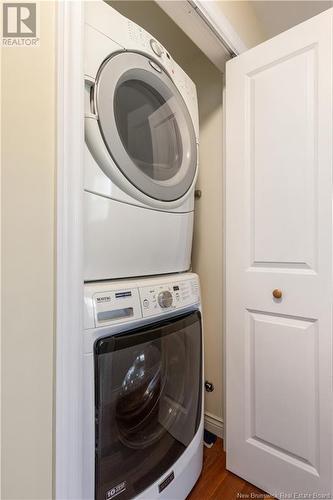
(146,126)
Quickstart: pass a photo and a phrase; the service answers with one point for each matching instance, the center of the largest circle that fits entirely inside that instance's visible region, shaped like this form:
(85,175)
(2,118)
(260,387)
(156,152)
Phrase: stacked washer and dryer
(143,401)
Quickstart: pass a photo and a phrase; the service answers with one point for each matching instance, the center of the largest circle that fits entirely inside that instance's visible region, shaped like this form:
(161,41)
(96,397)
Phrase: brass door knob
(277,294)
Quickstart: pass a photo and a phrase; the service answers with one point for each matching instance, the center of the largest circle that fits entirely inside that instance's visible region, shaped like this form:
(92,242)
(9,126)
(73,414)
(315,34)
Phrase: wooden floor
(217,483)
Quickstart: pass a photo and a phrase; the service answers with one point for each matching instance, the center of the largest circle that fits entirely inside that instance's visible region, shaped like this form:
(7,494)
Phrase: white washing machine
(141,154)
(143,388)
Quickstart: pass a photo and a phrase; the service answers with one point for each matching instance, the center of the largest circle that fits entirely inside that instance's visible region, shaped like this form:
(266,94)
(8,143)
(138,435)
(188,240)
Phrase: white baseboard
(214,424)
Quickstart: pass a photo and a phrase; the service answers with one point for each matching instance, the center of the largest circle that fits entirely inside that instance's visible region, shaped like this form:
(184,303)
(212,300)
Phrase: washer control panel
(167,297)
(114,303)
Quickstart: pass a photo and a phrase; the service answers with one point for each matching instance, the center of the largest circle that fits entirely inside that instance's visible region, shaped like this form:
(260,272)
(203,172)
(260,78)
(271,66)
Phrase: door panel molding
(267,376)
(272,216)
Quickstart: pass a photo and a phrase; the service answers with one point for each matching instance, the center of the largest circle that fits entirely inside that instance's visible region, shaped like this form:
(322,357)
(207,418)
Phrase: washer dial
(165,299)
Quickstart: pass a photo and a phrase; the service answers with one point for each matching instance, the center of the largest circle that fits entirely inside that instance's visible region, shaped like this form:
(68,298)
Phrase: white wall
(28,263)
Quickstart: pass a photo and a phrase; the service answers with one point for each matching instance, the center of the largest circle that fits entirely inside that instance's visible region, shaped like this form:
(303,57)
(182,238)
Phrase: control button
(146,303)
(155,66)
(156,47)
(165,299)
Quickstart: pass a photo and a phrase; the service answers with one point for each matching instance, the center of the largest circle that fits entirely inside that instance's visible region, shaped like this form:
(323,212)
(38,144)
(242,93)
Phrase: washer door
(148,395)
(146,126)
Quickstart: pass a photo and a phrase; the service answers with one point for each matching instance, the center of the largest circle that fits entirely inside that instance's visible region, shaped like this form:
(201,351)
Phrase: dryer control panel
(121,302)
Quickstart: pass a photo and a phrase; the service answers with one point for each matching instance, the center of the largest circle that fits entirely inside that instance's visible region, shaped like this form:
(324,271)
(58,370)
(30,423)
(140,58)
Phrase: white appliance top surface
(131,300)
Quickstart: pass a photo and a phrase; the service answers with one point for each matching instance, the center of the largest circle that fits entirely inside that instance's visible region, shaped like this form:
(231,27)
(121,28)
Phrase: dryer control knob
(156,47)
(165,299)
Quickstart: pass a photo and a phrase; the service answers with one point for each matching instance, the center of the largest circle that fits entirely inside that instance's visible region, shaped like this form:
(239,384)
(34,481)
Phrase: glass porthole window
(146,126)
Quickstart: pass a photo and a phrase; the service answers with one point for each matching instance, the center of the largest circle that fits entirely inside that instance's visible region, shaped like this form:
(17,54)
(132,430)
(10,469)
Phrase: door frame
(67,472)
(219,25)
(69,258)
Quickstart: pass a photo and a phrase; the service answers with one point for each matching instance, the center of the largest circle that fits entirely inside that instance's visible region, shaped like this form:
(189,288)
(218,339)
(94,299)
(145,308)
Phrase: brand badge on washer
(120,488)
(104,298)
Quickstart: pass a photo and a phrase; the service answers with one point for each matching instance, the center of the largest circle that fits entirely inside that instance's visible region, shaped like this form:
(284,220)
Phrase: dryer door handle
(90,104)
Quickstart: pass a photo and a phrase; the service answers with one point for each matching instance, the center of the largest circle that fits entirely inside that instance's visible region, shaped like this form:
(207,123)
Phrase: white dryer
(141,152)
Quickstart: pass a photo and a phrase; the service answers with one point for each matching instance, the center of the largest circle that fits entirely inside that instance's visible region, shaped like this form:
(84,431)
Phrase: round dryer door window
(146,126)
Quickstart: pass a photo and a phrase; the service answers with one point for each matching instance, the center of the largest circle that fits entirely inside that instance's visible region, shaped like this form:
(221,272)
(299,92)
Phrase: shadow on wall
(207,243)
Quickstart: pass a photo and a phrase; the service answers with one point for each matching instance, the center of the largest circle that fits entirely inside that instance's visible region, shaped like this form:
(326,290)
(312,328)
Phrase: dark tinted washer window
(148,403)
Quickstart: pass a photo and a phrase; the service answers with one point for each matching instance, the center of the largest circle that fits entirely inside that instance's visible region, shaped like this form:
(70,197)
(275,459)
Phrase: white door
(279,236)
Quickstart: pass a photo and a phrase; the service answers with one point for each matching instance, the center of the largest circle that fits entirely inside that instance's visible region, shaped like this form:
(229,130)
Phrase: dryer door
(146,126)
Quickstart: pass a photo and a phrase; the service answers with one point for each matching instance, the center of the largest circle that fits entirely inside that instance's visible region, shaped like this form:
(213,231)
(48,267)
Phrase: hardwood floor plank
(212,475)
(230,488)
(216,483)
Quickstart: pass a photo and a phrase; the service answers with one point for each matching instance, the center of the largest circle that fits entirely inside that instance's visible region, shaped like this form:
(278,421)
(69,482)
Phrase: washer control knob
(156,48)
(165,299)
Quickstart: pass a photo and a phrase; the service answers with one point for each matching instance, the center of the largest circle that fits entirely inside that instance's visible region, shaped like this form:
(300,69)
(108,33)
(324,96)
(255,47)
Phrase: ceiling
(278,16)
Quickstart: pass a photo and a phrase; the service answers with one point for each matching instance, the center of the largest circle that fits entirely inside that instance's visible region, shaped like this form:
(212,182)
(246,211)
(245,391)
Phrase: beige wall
(242,16)
(207,255)
(28,172)
(207,244)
